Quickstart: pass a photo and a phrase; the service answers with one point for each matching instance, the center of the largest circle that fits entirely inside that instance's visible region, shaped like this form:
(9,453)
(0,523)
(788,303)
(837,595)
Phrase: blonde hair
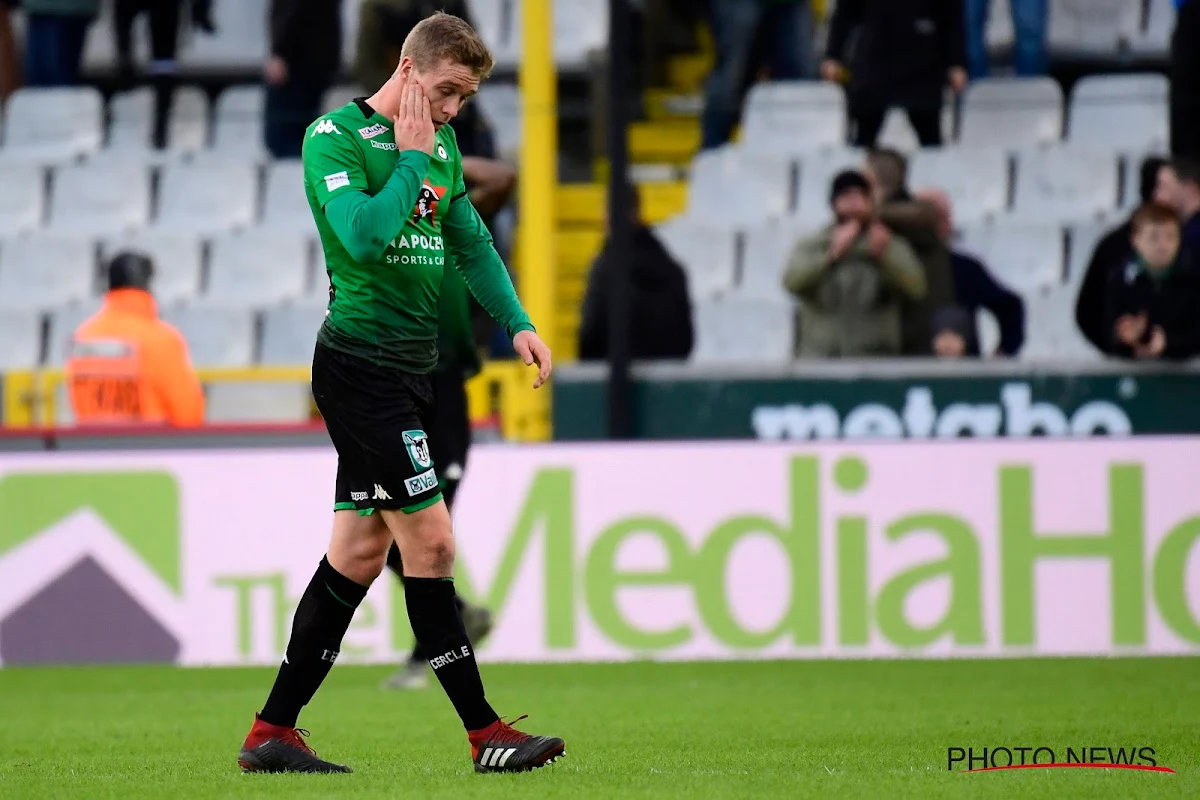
(445,37)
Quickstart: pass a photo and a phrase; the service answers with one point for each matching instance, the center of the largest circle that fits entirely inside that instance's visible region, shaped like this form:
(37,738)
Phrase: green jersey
(390,223)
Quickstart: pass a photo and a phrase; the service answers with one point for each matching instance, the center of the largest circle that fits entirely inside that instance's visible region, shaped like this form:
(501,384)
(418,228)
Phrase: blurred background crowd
(846,179)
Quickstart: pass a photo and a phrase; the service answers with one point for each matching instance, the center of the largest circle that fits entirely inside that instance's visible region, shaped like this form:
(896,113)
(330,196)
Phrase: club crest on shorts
(417,444)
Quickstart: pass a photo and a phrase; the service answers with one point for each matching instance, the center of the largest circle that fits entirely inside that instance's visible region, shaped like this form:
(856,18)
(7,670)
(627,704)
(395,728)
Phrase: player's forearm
(366,225)
(488,280)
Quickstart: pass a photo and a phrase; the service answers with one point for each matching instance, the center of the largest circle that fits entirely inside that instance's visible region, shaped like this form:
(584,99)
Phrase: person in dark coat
(1152,304)
(905,54)
(1158,184)
(660,309)
(306,56)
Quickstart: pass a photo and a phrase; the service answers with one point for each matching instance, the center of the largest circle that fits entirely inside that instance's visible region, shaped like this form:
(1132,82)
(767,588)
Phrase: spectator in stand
(974,288)
(1029,19)
(383,26)
(905,53)
(10,73)
(55,32)
(1185,80)
(1152,306)
(852,279)
(1188,201)
(750,35)
(660,308)
(306,55)
(127,367)
(1158,184)
(920,224)
(163,22)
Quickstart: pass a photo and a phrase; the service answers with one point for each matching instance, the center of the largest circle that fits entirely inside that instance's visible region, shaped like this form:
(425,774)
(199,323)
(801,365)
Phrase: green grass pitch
(771,729)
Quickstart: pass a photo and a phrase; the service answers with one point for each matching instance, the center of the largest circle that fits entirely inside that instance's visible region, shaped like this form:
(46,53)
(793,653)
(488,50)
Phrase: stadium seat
(64,321)
(258,402)
(20,339)
(765,256)
(289,332)
(976,180)
(1065,185)
(46,270)
(1011,113)
(1083,238)
(100,198)
(998,35)
(742,329)
(580,28)
(1154,40)
(208,198)
(1121,112)
(501,105)
(240,44)
(177,261)
(131,122)
(794,117)
(23,200)
(52,126)
(1092,28)
(817,171)
(898,132)
(704,250)
(187,124)
(737,186)
(499,23)
(217,335)
(1052,334)
(285,203)
(1024,256)
(258,268)
(238,131)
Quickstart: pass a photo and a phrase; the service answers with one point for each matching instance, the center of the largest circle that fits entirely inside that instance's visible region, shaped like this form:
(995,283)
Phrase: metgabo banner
(624,551)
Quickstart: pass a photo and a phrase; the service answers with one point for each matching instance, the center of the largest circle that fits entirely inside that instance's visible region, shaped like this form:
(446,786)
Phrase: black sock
(418,654)
(439,630)
(321,620)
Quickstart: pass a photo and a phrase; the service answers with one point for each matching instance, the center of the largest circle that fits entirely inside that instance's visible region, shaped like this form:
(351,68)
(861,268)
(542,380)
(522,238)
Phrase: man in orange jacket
(125,365)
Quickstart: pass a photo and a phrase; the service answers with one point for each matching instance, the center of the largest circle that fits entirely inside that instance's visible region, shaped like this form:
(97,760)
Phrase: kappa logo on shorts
(417,444)
(358,496)
(424,482)
(380,493)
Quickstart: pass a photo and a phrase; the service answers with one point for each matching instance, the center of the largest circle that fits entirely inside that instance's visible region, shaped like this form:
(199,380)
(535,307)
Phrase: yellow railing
(501,391)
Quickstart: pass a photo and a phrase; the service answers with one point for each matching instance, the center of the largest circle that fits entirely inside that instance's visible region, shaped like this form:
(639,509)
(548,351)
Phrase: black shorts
(377,418)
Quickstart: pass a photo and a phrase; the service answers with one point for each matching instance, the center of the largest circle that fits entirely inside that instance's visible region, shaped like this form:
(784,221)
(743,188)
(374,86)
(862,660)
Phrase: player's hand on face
(533,350)
(414,125)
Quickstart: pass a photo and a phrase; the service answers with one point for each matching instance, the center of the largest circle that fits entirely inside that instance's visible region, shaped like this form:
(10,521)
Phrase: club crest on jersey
(427,203)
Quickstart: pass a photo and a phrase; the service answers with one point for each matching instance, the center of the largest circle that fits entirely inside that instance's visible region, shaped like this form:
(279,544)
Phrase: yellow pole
(538,182)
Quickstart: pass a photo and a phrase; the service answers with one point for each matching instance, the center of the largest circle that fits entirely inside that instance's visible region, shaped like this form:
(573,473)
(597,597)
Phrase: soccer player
(384,181)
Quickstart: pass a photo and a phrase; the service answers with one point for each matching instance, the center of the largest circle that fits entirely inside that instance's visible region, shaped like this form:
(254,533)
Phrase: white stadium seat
(1065,185)
(1012,113)
(131,124)
(177,261)
(20,338)
(765,258)
(240,44)
(23,200)
(217,335)
(64,321)
(52,126)
(238,130)
(258,268)
(580,28)
(1084,237)
(1025,257)
(794,117)
(1050,325)
(208,198)
(976,180)
(898,133)
(1154,41)
(501,106)
(817,172)
(705,251)
(736,186)
(100,198)
(735,328)
(46,270)
(289,333)
(340,95)
(1120,112)
(285,202)
(187,123)
(1092,28)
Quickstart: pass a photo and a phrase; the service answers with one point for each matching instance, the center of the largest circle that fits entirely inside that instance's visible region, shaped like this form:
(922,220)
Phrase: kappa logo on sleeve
(336,181)
(325,126)
(371,131)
